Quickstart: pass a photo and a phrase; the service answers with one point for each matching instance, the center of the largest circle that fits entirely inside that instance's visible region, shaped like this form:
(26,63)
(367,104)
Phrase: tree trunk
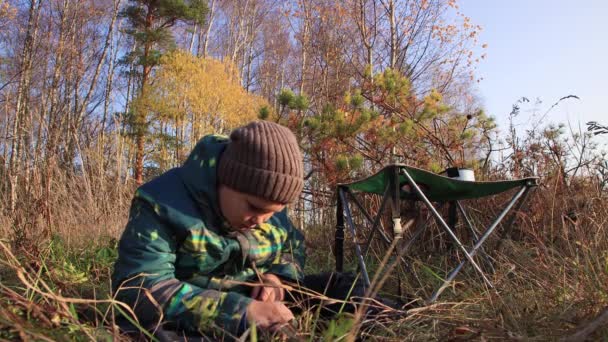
(208,31)
(108,90)
(248,59)
(141,116)
(22,98)
(191,45)
(305,37)
(393,30)
(93,85)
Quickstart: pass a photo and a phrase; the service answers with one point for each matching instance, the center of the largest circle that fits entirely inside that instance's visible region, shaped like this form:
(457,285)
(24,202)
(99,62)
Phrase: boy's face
(244,211)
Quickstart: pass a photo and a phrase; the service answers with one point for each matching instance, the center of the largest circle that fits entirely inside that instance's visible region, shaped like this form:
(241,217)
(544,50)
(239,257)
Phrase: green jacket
(177,247)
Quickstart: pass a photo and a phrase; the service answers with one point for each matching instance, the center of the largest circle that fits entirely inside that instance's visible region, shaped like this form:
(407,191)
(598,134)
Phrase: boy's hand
(271,291)
(268,315)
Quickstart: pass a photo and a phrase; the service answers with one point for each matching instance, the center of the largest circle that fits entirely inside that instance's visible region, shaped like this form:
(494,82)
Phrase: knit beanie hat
(263,159)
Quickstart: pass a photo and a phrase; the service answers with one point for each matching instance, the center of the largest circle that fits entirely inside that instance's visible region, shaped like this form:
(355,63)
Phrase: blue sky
(545,49)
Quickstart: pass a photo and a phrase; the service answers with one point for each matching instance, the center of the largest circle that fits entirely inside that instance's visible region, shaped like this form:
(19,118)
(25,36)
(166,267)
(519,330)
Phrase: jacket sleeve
(290,262)
(144,278)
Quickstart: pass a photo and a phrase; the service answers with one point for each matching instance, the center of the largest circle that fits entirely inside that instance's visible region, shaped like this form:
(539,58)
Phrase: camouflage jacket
(178,255)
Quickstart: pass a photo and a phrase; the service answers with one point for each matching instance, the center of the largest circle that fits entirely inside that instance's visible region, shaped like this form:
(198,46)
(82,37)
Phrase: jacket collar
(199,174)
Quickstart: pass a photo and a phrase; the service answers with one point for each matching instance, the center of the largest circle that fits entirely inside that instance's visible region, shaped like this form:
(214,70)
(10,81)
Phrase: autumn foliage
(190,97)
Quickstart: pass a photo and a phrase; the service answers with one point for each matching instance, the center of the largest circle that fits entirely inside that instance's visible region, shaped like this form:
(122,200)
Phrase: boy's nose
(253,221)
(258,219)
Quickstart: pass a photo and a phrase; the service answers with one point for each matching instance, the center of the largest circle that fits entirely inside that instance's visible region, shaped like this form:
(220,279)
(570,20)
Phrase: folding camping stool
(399,182)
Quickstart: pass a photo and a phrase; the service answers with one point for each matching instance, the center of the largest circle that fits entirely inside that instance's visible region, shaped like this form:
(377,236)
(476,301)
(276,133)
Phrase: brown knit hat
(263,159)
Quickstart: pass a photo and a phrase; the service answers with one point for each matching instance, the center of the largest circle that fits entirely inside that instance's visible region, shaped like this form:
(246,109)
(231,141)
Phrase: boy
(199,232)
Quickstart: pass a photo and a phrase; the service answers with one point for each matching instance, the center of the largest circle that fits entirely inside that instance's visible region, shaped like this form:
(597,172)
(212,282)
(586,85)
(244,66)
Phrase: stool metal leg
(509,226)
(446,227)
(339,238)
(374,222)
(475,235)
(351,226)
(483,238)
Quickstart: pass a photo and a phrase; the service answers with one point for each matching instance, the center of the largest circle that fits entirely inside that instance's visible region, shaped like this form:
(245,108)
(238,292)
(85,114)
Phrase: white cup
(466,175)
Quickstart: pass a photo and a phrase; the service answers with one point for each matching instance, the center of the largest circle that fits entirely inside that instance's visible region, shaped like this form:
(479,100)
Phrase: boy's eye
(254,208)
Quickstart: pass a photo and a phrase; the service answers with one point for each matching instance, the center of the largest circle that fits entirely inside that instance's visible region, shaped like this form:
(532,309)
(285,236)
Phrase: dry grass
(551,276)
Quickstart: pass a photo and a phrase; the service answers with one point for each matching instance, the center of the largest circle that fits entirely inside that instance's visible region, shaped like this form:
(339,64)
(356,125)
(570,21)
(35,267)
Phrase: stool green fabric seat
(399,182)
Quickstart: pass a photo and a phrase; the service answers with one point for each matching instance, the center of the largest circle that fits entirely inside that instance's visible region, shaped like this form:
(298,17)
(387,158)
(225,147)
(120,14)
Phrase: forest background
(97,97)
